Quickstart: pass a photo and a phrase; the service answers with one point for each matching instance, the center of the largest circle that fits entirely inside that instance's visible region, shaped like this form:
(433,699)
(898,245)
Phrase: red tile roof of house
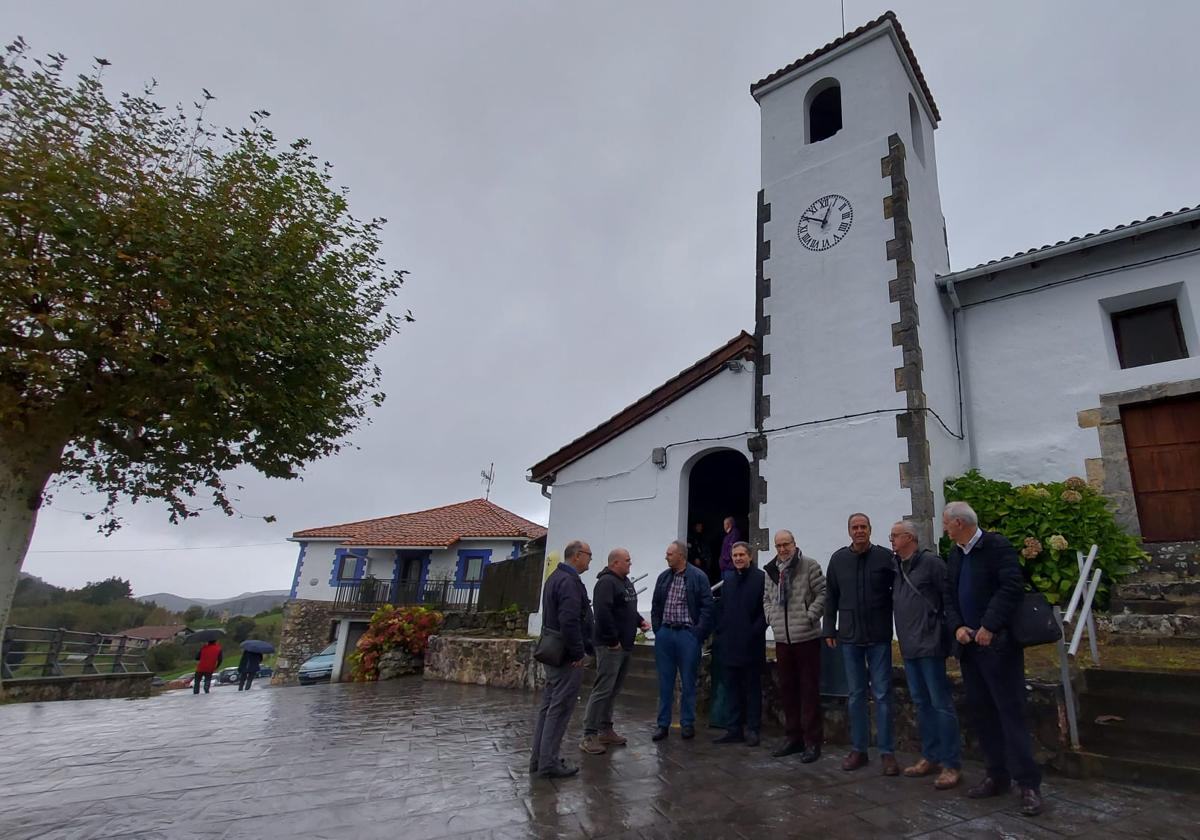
(741,346)
(155,632)
(440,526)
(882,20)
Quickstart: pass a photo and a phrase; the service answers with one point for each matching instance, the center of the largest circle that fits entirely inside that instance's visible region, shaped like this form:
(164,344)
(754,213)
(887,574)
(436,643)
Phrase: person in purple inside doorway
(732,535)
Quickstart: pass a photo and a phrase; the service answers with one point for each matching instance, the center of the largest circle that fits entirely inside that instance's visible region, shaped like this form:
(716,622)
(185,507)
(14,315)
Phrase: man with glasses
(858,617)
(682,617)
(794,601)
(565,608)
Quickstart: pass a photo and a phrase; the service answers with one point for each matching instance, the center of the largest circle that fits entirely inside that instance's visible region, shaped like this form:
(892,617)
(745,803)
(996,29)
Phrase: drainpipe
(546,489)
(964,381)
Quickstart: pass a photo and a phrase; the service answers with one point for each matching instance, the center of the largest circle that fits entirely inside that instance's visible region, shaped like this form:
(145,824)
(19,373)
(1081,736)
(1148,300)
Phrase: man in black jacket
(565,608)
(614,601)
(983,587)
(858,617)
(742,644)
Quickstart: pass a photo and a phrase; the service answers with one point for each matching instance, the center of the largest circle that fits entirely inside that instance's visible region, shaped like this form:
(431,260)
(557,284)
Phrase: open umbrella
(205,635)
(257,646)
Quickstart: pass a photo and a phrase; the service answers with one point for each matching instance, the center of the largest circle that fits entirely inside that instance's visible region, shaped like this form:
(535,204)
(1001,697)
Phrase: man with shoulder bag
(567,614)
(924,645)
(983,589)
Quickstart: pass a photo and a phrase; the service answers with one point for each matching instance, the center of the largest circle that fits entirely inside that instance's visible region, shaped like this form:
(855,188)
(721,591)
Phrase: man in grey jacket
(924,644)
(794,601)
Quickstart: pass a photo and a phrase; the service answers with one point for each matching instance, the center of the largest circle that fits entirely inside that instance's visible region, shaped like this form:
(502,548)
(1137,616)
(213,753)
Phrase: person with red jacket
(208,660)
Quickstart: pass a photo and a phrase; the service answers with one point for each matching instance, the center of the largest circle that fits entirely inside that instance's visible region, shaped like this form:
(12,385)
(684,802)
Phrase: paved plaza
(413,759)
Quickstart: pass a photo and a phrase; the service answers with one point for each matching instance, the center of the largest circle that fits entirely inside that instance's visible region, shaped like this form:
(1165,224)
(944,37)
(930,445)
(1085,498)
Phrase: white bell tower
(855,342)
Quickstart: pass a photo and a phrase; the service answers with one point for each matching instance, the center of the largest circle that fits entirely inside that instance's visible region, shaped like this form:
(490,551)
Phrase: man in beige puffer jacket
(794,601)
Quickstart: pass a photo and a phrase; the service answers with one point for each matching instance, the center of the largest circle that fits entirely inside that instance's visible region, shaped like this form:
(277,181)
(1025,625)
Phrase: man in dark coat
(732,535)
(921,629)
(858,617)
(614,602)
(682,617)
(742,645)
(248,667)
(983,587)
(565,608)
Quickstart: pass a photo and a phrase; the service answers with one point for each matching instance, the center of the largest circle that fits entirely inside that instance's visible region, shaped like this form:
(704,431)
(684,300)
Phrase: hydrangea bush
(1048,523)
(390,628)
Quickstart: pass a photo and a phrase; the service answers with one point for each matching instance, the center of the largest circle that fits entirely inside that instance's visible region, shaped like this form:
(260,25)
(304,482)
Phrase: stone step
(1089,765)
(1154,641)
(1135,714)
(1165,747)
(1144,686)
(1156,606)
(1179,558)
(1151,625)
(1185,591)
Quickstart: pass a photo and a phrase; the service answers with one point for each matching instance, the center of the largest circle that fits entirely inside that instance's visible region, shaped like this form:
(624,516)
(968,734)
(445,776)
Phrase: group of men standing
(963,607)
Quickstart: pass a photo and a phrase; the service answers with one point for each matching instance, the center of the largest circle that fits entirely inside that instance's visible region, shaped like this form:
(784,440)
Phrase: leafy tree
(239,628)
(106,591)
(164,657)
(193,613)
(176,301)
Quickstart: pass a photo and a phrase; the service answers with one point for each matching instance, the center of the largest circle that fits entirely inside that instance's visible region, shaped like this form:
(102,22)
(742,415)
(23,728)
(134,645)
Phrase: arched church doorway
(718,486)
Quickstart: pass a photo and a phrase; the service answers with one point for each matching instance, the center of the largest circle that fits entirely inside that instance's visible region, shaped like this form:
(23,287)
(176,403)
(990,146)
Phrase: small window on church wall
(824,110)
(1149,334)
(918,131)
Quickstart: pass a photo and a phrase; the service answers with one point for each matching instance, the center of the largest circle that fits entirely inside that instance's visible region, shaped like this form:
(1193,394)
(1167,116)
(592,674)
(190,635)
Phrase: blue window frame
(349,564)
(471,563)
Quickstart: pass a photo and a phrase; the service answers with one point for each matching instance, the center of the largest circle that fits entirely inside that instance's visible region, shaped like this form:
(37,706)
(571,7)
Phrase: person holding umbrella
(208,660)
(252,654)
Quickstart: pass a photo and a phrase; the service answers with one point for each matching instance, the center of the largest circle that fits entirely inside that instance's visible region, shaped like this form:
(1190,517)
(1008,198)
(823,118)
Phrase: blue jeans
(877,660)
(941,739)
(676,651)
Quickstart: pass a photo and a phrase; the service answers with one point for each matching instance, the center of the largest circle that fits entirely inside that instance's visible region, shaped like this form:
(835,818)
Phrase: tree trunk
(24,472)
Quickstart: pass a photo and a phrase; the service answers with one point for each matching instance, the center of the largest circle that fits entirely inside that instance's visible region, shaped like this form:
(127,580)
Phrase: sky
(572,187)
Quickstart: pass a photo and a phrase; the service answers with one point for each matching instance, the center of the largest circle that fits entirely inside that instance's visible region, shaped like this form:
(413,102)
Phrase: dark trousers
(558,701)
(995,683)
(245,678)
(611,667)
(745,697)
(800,684)
(207,682)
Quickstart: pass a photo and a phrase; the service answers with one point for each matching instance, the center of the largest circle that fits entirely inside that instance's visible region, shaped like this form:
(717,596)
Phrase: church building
(874,372)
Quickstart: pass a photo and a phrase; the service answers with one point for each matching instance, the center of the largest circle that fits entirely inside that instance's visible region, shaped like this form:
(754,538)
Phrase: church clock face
(825,223)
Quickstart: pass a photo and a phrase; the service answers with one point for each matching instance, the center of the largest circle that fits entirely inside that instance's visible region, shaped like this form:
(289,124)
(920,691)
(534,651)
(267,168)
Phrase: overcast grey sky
(573,188)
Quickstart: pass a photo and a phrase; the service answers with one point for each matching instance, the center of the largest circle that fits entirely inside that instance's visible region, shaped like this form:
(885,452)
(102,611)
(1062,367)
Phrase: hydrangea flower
(1032,548)
(1058,542)
(1072,496)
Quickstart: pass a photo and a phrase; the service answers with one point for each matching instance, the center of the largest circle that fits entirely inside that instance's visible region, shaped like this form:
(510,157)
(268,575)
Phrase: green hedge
(1047,523)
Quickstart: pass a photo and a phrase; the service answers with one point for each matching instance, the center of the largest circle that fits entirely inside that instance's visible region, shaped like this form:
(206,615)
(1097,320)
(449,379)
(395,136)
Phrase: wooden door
(1163,443)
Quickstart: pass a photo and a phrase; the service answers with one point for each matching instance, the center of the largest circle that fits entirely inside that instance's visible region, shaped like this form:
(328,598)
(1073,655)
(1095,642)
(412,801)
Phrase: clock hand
(826,219)
(814,219)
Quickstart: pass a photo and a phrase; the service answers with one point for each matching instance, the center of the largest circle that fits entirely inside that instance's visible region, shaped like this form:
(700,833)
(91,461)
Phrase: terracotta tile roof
(741,347)
(1074,243)
(440,526)
(155,632)
(850,36)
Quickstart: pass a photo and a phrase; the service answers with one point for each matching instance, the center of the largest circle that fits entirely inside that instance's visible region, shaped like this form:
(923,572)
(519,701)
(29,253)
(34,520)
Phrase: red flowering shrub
(390,628)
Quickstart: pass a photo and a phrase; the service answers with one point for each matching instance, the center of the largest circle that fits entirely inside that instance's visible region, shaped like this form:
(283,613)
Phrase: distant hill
(248,603)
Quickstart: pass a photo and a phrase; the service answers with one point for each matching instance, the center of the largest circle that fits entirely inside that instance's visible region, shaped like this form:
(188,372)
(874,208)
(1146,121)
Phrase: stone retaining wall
(498,624)
(80,687)
(502,663)
(305,632)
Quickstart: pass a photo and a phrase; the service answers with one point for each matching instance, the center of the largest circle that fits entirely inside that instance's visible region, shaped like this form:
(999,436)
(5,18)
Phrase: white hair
(908,528)
(963,512)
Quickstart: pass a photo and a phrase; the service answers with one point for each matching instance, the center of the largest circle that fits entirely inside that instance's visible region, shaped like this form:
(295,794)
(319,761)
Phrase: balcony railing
(370,594)
(45,652)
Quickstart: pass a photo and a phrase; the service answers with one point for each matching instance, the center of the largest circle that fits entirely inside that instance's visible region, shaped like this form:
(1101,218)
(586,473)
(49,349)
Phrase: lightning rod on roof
(488,476)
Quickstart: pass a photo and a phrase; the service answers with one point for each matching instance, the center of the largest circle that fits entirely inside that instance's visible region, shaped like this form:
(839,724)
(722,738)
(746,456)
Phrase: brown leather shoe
(890,766)
(1031,802)
(988,787)
(610,737)
(855,760)
(948,778)
(922,768)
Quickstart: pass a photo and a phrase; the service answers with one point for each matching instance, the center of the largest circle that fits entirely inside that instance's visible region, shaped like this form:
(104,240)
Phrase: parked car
(265,671)
(226,676)
(318,668)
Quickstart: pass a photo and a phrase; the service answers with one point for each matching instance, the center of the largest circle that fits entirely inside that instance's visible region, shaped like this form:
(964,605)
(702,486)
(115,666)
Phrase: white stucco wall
(614,496)
(1036,359)
(830,339)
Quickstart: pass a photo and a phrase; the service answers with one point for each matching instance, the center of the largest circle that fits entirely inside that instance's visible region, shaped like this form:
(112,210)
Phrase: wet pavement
(413,759)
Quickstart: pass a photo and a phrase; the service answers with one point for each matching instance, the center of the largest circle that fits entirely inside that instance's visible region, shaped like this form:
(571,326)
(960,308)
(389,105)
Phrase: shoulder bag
(1033,623)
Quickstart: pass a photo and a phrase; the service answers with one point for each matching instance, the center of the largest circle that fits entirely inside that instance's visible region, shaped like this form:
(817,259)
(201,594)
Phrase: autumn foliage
(390,628)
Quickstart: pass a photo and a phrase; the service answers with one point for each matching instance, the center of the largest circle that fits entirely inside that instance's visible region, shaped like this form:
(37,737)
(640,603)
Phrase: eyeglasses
(785,544)
(581,551)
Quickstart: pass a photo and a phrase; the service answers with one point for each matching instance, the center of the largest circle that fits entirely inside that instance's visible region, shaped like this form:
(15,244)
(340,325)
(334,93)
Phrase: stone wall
(305,632)
(502,663)
(80,687)
(500,624)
